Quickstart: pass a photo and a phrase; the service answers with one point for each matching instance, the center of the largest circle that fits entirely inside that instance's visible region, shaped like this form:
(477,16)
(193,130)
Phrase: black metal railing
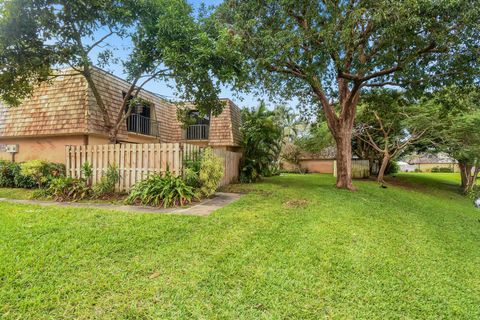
(143,125)
(198,132)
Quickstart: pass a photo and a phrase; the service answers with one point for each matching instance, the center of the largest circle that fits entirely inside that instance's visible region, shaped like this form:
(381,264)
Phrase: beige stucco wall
(311,166)
(44,148)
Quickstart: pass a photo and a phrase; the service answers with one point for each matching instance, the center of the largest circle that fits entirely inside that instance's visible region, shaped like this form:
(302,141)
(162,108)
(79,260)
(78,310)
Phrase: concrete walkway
(202,208)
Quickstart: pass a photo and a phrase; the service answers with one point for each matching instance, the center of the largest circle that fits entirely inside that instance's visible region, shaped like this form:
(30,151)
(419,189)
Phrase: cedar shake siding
(64,111)
(112,90)
(56,108)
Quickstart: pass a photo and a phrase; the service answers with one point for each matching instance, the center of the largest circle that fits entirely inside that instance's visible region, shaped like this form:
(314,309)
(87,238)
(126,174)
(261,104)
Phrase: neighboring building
(64,112)
(406,167)
(320,162)
(426,162)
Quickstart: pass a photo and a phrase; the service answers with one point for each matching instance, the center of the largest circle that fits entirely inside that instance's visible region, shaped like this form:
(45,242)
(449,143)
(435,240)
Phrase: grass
(16,193)
(292,247)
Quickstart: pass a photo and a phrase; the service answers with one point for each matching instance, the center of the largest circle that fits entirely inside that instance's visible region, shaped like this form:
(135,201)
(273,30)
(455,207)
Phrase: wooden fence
(231,162)
(135,162)
(360,169)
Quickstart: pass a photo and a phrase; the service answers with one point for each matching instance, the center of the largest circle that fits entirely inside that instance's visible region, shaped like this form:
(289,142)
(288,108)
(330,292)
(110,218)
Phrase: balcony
(143,125)
(198,132)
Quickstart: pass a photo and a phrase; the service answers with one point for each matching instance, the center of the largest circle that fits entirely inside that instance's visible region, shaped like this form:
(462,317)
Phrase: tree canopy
(168,43)
(326,53)
(389,122)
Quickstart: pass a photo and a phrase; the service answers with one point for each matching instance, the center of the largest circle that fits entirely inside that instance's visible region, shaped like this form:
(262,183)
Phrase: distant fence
(360,169)
(135,162)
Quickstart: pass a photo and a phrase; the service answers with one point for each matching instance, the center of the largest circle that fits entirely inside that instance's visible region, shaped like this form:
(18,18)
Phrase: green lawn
(293,248)
(13,193)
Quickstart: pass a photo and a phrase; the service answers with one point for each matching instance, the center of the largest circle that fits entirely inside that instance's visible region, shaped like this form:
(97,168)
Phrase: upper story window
(140,118)
(199,126)
(198,119)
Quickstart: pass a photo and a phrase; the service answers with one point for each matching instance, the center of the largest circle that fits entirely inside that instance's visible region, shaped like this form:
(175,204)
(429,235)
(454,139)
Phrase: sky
(162,88)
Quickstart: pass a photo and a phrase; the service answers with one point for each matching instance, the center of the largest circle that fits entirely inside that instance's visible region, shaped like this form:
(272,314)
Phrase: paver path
(202,208)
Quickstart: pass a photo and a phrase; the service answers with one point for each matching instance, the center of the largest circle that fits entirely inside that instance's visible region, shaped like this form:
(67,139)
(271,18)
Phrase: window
(139,120)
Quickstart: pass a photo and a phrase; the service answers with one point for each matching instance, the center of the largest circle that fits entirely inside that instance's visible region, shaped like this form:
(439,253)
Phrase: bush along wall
(30,174)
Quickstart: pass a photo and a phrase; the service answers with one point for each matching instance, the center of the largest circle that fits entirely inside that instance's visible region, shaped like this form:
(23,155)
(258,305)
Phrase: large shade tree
(167,43)
(389,123)
(326,53)
(458,129)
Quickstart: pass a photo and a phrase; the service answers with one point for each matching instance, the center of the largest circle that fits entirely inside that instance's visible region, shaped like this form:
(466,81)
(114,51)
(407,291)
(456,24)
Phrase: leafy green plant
(161,190)
(7,174)
(42,172)
(211,172)
(191,172)
(68,189)
(87,172)
(392,168)
(107,183)
(262,142)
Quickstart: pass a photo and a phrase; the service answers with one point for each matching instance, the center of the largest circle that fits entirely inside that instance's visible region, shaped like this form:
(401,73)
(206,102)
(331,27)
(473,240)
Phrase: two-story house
(64,112)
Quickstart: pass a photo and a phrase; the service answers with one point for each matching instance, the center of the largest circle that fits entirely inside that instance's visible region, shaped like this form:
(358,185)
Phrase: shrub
(68,189)
(262,132)
(87,172)
(435,169)
(167,191)
(191,173)
(417,170)
(392,168)
(211,172)
(445,170)
(12,177)
(107,183)
(42,172)
(7,174)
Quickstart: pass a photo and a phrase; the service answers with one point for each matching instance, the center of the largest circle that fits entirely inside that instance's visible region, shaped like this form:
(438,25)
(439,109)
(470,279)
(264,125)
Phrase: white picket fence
(135,162)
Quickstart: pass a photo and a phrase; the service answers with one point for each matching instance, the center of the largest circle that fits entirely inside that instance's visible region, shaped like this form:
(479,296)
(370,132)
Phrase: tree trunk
(468,180)
(383,167)
(462,166)
(343,139)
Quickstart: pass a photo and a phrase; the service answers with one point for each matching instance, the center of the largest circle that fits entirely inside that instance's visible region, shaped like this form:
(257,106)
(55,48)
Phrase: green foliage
(392,168)
(317,139)
(42,172)
(161,190)
(166,41)
(68,189)
(291,153)
(40,194)
(107,183)
(87,172)
(191,172)
(262,142)
(11,176)
(297,48)
(441,170)
(211,172)
(474,192)
(457,126)
(7,174)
